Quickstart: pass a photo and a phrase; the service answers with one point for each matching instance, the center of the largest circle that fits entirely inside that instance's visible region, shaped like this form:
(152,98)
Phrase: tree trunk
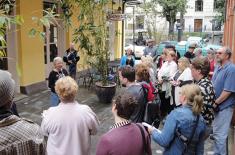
(182,25)
(171,30)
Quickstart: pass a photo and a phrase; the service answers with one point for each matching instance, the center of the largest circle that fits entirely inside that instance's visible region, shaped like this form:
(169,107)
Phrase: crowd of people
(191,95)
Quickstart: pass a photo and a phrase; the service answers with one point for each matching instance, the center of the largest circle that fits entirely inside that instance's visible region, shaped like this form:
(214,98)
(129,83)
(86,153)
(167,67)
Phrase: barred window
(199,5)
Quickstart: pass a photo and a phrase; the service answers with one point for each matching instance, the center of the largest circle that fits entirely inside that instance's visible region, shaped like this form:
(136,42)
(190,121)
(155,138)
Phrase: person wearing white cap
(150,49)
(18,135)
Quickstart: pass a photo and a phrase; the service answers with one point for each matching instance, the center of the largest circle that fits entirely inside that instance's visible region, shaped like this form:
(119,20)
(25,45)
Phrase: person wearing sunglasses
(223,82)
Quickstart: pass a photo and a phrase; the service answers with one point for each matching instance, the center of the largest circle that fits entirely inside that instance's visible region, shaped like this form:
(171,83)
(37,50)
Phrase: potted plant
(92,38)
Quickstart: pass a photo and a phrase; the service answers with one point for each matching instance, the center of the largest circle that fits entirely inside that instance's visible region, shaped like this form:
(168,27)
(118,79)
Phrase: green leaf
(32,32)
(2,20)
(42,35)
(19,19)
(45,22)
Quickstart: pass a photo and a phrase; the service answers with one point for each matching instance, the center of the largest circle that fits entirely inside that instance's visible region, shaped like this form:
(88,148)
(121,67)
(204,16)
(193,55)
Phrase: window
(216,25)
(52,43)
(217,4)
(3,53)
(140,22)
(50,5)
(53,35)
(130,27)
(199,5)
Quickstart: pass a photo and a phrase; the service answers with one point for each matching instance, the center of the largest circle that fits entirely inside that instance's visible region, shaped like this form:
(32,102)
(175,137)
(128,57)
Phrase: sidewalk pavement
(31,107)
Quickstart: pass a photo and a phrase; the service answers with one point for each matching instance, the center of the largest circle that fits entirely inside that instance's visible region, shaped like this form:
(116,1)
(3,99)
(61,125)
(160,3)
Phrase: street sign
(116,16)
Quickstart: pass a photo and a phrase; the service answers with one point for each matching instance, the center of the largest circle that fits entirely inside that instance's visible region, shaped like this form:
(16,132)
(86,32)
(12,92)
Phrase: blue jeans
(221,126)
(54,99)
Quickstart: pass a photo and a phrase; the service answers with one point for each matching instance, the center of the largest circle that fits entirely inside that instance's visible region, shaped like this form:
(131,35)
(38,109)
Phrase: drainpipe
(123,27)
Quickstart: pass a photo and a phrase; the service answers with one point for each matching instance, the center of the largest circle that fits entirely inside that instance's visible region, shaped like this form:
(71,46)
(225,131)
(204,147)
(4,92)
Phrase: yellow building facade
(30,59)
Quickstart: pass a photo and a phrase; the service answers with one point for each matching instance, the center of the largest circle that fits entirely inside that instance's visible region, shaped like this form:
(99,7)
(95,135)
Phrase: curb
(19,97)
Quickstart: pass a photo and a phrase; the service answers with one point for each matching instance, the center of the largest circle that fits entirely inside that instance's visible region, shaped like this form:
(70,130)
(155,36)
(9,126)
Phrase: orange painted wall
(229,27)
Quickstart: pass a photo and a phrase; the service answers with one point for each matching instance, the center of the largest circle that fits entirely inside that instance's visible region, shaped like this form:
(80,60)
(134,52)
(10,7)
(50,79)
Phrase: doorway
(197,25)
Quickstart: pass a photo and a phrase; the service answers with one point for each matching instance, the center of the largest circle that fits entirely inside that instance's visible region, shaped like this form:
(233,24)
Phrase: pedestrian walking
(69,125)
(223,82)
(71,58)
(55,74)
(124,137)
(18,135)
(184,127)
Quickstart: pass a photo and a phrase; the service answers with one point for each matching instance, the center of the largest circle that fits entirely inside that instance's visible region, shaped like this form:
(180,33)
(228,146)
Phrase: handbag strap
(190,138)
(194,129)
(143,137)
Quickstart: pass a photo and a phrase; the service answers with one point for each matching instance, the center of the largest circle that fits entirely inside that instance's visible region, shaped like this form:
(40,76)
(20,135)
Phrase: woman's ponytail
(192,92)
(197,104)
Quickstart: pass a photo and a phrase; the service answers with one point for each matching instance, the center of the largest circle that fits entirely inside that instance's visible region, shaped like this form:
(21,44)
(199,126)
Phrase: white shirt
(186,75)
(168,70)
(68,127)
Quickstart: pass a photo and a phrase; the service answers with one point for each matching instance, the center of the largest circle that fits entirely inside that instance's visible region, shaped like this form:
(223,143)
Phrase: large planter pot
(105,94)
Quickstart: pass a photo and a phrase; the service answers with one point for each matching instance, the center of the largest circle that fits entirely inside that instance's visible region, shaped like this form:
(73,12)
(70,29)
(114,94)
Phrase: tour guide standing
(222,80)
(57,73)
(71,58)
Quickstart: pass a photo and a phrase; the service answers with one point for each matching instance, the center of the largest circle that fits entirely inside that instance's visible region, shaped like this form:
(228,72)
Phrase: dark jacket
(71,56)
(137,91)
(54,76)
(189,55)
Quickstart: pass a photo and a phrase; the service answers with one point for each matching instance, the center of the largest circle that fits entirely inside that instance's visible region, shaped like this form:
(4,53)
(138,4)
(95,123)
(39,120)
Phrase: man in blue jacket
(71,58)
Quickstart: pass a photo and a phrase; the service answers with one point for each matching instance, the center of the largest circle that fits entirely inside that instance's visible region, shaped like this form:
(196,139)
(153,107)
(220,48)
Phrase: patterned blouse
(208,94)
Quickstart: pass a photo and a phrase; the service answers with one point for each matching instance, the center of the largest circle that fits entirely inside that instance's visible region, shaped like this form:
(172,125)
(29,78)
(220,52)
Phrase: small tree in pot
(92,38)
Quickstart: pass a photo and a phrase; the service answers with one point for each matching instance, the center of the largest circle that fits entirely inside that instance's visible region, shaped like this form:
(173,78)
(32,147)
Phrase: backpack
(148,91)
(152,110)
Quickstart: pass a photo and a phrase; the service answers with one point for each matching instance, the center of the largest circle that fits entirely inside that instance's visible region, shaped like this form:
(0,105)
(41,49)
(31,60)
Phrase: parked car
(198,40)
(182,46)
(210,46)
(162,45)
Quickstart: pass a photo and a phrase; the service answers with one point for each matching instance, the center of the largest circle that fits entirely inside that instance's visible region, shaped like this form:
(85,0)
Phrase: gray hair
(212,51)
(228,51)
(57,59)
(198,51)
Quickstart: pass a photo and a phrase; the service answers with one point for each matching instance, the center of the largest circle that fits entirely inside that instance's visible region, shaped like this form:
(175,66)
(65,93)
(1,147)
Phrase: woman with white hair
(69,125)
(54,75)
(128,58)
